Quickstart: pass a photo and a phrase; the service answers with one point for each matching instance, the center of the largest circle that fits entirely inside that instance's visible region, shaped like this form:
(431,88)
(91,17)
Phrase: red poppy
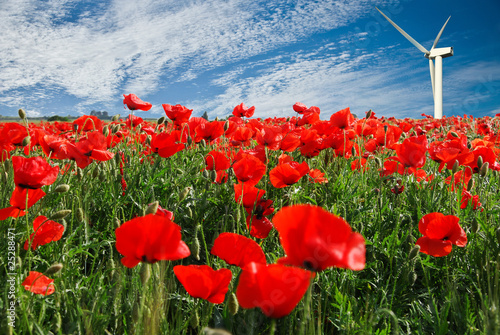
(178,113)
(317,176)
(133,121)
(247,195)
(259,226)
(237,250)
(166,145)
(21,199)
(299,107)
(411,153)
(276,289)
(216,160)
(33,172)
(46,231)
(466,197)
(243,111)
(440,233)
(88,122)
(316,239)
(270,136)
(37,283)
(209,131)
(93,146)
(342,119)
(150,238)
(133,103)
(201,281)
(288,173)
(249,169)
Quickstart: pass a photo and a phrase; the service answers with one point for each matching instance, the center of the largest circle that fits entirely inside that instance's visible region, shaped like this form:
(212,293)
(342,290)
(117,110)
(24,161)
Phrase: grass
(394,294)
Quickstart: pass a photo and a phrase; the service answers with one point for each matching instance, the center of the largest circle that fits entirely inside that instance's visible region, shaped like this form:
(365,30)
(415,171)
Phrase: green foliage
(58,118)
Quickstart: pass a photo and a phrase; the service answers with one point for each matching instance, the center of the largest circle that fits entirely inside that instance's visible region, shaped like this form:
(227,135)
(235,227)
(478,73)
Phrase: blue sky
(70,57)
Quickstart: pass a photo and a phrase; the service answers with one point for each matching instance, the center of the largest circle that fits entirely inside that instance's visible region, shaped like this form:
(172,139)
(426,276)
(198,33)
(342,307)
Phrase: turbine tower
(435,56)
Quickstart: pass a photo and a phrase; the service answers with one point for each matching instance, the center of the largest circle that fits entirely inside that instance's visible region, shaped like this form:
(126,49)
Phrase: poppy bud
(211,331)
(216,118)
(385,128)
(184,193)
(63,188)
(75,127)
(475,225)
(53,269)
(205,174)
(412,277)
(470,184)
(116,128)
(148,139)
(145,273)
(60,214)
(79,214)
(160,120)
(102,175)
(19,262)
(22,113)
(479,162)
(452,133)
(369,114)
(79,174)
(5,177)
(195,320)
(226,125)
(116,222)
(26,141)
(232,304)
(152,208)
(138,128)
(105,130)
(353,151)
(115,117)
(378,161)
(455,167)
(190,213)
(189,140)
(484,169)
(195,248)
(213,175)
(414,252)
(203,143)
(136,312)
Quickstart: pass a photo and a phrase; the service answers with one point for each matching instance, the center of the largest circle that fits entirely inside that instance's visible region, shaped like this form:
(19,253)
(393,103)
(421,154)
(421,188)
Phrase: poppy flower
(33,172)
(166,144)
(209,131)
(317,176)
(150,238)
(247,195)
(270,136)
(249,169)
(411,153)
(37,283)
(342,119)
(466,197)
(93,146)
(46,231)
(21,199)
(88,122)
(201,281)
(243,111)
(440,233)
(133,103)
(288,173)
(178,113)
(237,250)
(216,160)
(259,226)
(275,289)
(315,239)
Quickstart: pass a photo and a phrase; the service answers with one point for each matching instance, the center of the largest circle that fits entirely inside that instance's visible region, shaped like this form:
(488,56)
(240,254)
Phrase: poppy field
(291,225)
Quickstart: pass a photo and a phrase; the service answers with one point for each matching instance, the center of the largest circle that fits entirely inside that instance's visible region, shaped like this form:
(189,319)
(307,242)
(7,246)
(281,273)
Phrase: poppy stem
(273,327)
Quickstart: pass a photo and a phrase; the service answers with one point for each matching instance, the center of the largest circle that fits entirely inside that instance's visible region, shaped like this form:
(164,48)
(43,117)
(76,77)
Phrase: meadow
(292,225)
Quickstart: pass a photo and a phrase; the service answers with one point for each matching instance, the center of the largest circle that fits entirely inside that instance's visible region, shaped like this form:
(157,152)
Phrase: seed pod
(63,188)
(233,304)
(60,214)
(53,269)
(22,113)
(152,208)
(385,128)
(484,169)
(414,252)
(26,141)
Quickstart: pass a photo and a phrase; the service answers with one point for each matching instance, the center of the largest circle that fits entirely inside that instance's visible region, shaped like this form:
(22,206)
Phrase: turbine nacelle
(443,52)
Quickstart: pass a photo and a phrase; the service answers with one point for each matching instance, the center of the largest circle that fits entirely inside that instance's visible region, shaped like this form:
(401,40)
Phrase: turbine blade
(439,35)
(408,37)
(431,68)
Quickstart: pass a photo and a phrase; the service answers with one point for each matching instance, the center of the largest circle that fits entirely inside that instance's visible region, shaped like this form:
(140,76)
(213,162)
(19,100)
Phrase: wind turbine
(435,56)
